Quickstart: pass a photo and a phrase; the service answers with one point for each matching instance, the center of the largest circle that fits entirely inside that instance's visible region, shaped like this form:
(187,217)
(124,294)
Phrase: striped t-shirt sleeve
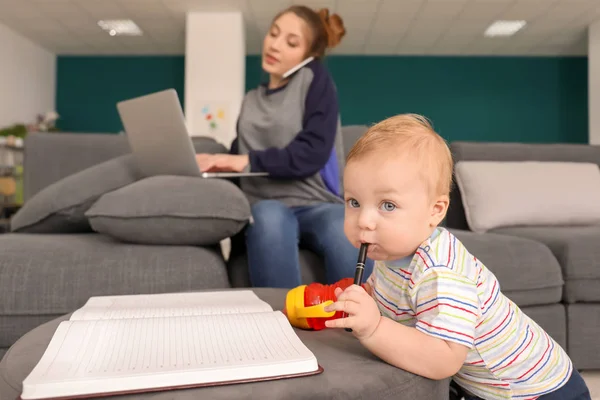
(371,279)
(446,305)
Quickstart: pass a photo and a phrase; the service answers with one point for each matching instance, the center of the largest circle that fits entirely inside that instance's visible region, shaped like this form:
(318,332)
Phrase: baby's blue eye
(387,206)
(353,203)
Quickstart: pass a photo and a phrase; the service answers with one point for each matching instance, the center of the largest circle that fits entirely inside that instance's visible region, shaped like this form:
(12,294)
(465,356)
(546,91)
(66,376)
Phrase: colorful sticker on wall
(214,118)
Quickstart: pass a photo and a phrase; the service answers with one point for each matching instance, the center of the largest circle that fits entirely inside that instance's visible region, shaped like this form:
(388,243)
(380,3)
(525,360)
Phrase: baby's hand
(363,314)
(367,288)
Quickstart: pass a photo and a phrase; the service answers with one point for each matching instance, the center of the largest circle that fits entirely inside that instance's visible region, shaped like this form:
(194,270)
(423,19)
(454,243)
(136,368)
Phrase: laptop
(159,140)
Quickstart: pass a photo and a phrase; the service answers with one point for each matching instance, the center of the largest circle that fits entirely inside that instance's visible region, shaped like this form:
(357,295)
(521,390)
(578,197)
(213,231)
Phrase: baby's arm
(415,351)
(446,307)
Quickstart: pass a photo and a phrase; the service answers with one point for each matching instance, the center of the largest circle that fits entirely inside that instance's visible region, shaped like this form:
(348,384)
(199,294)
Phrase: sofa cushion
(527,270)
(577,250)
(42,276)
(502,151)
(173,210)
(528,193)
(583,321)
(65,173)
(61,206)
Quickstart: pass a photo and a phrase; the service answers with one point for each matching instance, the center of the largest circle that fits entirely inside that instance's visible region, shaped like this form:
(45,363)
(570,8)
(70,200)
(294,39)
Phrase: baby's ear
(439,209)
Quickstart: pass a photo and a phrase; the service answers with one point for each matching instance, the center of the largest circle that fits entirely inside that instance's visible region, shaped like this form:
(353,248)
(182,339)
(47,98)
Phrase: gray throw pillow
(172,210)
(61,206)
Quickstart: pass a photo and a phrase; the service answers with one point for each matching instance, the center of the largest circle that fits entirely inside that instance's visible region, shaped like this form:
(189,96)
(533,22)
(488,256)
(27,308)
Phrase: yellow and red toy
(304,305)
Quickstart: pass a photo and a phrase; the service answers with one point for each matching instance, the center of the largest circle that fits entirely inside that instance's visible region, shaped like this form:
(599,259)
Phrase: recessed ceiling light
(504,28)
(120,27)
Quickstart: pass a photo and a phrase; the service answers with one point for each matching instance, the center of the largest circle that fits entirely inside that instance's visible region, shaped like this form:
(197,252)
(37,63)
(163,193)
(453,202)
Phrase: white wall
(215,69)
(27,79)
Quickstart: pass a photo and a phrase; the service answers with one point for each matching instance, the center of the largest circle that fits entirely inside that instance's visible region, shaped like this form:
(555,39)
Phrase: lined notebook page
(171,305)
(210,348)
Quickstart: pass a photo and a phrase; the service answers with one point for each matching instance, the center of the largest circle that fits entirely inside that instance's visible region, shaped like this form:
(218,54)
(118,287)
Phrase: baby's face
(388,204)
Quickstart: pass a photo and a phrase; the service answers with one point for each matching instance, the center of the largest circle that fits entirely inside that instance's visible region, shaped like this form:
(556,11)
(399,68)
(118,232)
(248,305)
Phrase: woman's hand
(222,162)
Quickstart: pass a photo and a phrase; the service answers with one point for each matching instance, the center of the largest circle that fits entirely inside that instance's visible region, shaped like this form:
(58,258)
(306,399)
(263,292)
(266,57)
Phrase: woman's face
(285,45)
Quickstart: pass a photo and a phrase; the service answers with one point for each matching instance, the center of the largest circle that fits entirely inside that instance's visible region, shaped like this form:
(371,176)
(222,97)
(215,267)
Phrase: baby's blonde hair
(410,135)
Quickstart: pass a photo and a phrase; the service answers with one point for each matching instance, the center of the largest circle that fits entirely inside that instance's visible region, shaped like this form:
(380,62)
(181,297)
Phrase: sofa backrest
(350,134)
(50,157)
(488,151)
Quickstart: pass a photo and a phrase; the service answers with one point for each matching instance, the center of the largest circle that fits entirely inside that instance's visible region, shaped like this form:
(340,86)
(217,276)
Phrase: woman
(290,128)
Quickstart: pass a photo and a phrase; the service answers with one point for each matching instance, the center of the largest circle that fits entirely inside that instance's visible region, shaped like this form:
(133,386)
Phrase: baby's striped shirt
(446,292)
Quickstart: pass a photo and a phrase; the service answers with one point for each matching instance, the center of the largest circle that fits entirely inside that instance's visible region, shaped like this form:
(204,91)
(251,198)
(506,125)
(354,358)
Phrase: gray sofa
(44,275)
(562,279)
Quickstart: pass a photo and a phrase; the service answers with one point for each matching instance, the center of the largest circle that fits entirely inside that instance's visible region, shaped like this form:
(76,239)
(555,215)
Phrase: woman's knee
(327,218)
(272,219)
(331,225)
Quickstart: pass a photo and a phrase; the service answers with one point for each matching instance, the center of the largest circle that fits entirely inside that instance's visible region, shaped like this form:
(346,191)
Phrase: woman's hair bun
(334,26)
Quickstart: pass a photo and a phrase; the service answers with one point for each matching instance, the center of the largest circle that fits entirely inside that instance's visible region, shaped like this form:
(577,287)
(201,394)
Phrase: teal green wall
(537,99)
(88,88)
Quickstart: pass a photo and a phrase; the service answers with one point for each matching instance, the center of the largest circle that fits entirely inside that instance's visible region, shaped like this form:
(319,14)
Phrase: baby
(430,307)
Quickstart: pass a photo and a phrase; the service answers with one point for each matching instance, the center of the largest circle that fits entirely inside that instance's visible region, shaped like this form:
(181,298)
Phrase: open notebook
(141,343)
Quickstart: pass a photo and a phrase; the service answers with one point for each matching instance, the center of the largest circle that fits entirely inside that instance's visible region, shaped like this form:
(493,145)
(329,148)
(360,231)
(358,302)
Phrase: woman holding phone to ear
(290,128)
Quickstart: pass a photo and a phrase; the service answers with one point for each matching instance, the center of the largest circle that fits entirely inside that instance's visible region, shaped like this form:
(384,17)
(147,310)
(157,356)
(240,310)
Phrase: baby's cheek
(397,242)
(395,234)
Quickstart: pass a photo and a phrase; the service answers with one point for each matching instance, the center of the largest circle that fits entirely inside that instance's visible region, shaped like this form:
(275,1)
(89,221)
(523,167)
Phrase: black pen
(360,269)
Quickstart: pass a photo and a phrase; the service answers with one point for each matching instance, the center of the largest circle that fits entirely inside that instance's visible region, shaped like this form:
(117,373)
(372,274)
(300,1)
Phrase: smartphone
(297,67)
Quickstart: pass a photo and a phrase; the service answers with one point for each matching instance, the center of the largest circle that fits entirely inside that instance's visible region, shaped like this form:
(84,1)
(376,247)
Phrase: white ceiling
(432,27)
